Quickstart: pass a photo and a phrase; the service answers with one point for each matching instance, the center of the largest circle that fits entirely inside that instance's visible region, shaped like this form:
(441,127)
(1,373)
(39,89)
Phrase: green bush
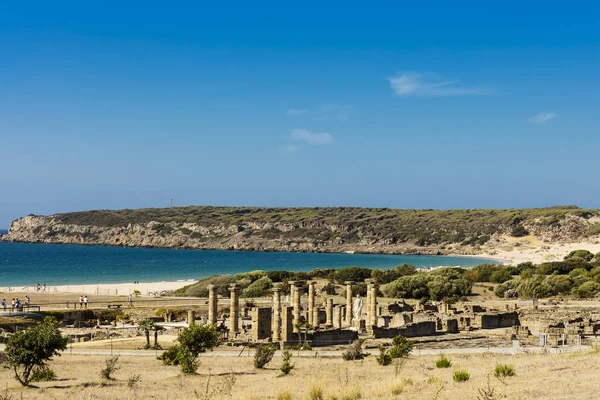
(504,370)
(401,347)
(443,362)
(461,376)
(194,340)
(355,351)
(286,365)
(354,274)
(519,231)
(587,290)
(170,356)
(33,347)
(110,367)
(263,355)
(384,357)
(259,288)
(43,373)
(584,255)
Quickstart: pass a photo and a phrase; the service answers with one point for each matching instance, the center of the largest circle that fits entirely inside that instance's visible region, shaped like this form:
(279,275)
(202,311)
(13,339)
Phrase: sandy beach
(536,252)
(106,289)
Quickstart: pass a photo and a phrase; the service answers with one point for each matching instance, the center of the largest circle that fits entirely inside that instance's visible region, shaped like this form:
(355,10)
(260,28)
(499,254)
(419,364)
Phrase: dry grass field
(567,376)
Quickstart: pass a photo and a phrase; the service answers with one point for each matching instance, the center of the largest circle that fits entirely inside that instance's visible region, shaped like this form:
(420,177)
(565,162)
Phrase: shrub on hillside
(259,288)
(263,355)
(443,362)
(354,274)
(461,376)
(584,255)
(504,370)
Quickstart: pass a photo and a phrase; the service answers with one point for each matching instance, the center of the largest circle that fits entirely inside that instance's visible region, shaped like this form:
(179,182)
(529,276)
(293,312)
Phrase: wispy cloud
(415,84)
(341,112)
(292,112)
(311,137)
(327,111)
(542,117)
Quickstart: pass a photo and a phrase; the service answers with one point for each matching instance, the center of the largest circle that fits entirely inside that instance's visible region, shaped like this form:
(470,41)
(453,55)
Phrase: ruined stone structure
(311,302)
(234,306)
(276,326)
(261,323)
(348,321)
(212,304)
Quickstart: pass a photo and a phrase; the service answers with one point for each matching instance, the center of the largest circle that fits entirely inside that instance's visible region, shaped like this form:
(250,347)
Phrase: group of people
(39,287)
(83,302)
(15,303)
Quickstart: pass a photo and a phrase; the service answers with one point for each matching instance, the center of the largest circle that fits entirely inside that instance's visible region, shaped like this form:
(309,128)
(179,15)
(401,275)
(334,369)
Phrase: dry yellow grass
(572,376)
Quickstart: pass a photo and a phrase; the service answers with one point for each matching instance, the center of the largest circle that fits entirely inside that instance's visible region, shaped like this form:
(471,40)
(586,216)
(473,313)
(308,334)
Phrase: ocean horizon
(26,264)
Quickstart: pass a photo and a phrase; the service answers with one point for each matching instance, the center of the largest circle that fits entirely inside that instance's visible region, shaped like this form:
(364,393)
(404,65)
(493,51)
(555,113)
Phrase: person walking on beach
(4,305)
(85,301)
(80,301)
(17,304)
(12,304)
(38,287)
(27,301)
(130,300)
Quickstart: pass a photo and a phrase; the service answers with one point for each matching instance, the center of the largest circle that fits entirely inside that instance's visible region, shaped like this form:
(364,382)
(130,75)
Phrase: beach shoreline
(106,289)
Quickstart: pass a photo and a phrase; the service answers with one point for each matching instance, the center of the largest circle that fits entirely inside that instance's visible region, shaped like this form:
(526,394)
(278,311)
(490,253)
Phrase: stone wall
(501,320)
(333,337)
(425,328)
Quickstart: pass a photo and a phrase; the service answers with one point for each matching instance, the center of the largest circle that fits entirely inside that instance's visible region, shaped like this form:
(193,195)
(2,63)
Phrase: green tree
(401,347)
(33,347)
(195,340)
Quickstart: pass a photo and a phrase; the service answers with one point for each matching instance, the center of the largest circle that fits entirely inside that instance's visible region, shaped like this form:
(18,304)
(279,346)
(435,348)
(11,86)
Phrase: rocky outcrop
(304,236)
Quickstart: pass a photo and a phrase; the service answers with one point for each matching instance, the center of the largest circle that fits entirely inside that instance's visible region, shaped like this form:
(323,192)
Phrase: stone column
(234,308)
(276,315)
(315,316)
(212,305)
(348,303)
(296,303)
(191,317)
(373,311)
(311,302)
(369,317)
(329,313)
(337,317)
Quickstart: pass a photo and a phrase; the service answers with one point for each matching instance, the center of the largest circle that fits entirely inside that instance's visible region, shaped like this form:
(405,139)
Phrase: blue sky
(439,105)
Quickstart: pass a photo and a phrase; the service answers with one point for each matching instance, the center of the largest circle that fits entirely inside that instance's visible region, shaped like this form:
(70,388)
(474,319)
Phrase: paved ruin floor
(566,376)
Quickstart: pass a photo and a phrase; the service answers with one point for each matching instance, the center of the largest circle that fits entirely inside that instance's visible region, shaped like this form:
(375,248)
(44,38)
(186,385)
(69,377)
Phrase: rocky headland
(359,230)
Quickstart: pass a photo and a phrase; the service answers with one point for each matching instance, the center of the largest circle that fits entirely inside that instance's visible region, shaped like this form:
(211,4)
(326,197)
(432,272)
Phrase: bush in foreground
(461,376)
(263,355)
(355,351)
(32,348)
(443,362)
(504,370)
(287,366)
(195,340)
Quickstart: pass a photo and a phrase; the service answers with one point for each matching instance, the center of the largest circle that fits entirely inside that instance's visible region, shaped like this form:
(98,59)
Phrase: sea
(56,264)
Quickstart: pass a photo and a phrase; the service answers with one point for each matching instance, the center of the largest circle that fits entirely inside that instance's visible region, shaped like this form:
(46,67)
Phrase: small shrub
(133,380)
(284,395)
(111,367)
(401,347)
(397,388)
(263,355)
(384,358)
(315,392)
(355,351)
(351,394)
(504,370)
(434,380)
(287,366)
(43,374)
(170,356)
(461,376)
(443,362)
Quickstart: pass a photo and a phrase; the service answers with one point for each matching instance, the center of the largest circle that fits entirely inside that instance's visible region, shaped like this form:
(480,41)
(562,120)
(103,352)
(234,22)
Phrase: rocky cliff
(310,229)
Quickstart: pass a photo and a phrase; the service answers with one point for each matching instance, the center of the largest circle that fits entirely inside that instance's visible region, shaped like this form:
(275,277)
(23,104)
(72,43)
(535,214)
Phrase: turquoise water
(53,264)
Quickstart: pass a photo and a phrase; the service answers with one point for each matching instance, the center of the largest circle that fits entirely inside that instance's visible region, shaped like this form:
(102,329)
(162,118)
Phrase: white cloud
(292,112)
(415,84)
(542,117)
(311,137)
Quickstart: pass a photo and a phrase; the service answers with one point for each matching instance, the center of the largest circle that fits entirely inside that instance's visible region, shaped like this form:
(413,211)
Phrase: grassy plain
(567,376)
